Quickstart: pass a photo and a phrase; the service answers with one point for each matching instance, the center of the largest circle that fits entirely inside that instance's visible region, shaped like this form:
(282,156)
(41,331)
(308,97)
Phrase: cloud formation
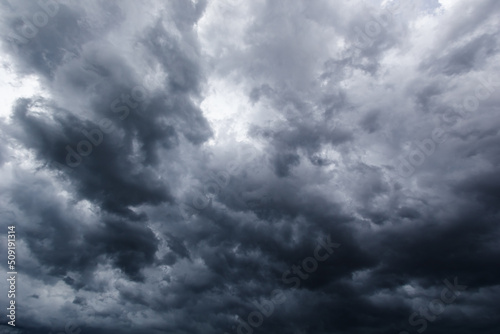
(187,166)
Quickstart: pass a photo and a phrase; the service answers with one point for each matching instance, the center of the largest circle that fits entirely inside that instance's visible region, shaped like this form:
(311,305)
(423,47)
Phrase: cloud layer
(253,166)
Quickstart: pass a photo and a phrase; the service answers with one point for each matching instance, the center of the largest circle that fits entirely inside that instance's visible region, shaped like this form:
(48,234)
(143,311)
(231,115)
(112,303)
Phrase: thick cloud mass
(220,166)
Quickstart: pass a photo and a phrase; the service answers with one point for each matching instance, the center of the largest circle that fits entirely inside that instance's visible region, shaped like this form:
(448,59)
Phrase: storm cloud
(220,166)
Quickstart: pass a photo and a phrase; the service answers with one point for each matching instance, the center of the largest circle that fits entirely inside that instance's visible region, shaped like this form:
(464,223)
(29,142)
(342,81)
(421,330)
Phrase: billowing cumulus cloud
(251,167)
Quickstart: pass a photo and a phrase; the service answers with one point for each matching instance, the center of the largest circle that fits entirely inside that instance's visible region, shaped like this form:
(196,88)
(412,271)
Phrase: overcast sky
(240,167)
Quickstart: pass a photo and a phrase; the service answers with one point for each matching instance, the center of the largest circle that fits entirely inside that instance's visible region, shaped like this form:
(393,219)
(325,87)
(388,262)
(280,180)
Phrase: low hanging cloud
(251,167)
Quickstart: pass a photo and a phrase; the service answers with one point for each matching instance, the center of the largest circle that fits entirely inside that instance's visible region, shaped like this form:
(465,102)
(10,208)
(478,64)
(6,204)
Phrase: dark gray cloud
(252,167)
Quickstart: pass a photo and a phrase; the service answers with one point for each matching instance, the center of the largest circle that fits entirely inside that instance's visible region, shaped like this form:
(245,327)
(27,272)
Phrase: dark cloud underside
(177,161)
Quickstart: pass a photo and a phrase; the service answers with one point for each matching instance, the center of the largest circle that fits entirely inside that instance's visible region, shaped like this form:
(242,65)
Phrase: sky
(240,167)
